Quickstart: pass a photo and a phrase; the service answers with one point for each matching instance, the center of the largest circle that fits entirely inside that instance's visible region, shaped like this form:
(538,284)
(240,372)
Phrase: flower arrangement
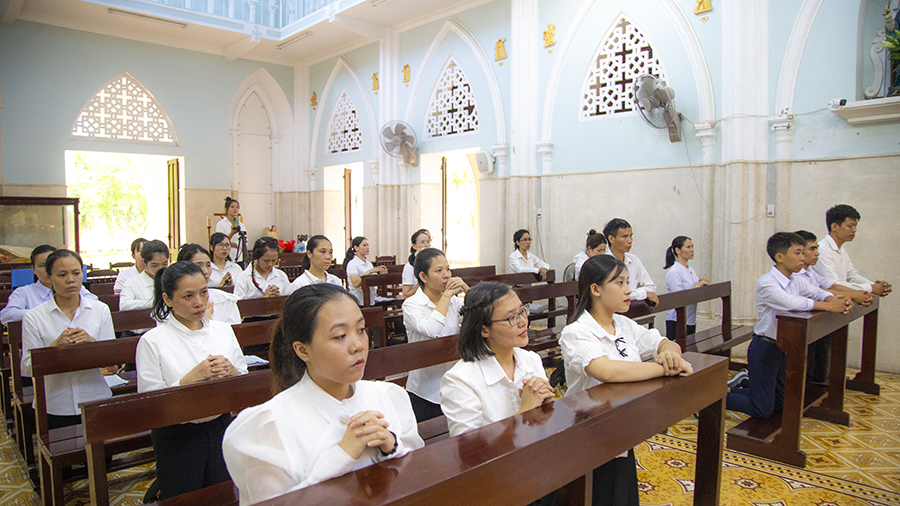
(286,246)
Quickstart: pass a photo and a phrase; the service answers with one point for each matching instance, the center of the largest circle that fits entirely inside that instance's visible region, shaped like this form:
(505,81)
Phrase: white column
(273,6)
(783,126)
(545,148)
(525,38)
(235,137)
(501,153)
(252,4)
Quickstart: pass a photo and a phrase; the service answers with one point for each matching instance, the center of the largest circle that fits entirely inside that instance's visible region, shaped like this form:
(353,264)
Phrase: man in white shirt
(834,261)
(135,269)
(620,236)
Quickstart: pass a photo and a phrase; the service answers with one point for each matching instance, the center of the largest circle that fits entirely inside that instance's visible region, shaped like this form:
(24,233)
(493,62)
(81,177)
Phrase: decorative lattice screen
(344,134)
(124,110)
(624,54)
(452,108)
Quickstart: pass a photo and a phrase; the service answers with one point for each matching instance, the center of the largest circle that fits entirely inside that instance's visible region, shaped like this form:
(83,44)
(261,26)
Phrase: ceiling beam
(240,48)
(358,27)
(13,8)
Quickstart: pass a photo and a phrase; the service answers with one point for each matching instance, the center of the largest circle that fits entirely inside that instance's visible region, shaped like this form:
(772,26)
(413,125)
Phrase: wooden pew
(63,447)
(103,288)
(110,299)
(561,443)
(718,340)
(261,306)
(778,437)
(386,284)
(549,338)
(21,400)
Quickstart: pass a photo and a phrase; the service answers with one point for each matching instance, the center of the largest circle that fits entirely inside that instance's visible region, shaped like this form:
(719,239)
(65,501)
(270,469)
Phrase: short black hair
(59,254)
(477,312)
(136,245)
(154,247)
(613,226)
(807,236)
(43,248)
(838,214)
(517,236)
(423,262)
(781,242)
(187,252)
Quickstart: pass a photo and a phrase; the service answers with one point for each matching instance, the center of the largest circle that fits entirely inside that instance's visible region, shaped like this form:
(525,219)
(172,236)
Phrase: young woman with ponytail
(324,420)
(224,271)
(420,240)
(222,305)
(186,347)
(594,245)
(319,254)
(356,266)
(261,278)
(681,277)
(230,225)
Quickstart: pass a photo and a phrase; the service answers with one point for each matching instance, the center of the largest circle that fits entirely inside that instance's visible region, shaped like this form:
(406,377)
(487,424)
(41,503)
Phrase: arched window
(452,108)
(123,110)
(624,54)
(343,132)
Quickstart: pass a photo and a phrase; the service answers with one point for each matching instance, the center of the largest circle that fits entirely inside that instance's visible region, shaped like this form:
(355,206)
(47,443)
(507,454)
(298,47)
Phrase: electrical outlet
(770,210)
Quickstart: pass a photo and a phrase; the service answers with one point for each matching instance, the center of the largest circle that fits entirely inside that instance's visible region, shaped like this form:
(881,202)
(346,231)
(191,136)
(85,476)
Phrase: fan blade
(399,129)
(387,132)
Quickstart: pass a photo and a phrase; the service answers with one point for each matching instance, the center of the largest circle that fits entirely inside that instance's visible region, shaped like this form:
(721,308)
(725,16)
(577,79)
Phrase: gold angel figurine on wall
(550,35)
(375,81)
(313,101)
(499,50)
(406,73)
(703,6)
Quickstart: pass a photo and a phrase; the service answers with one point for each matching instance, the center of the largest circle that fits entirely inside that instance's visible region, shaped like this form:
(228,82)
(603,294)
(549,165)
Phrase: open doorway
(124,196)
(451,202)
(343,205)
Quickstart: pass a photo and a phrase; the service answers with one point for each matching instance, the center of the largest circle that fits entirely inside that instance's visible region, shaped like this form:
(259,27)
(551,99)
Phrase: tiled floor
(852,465)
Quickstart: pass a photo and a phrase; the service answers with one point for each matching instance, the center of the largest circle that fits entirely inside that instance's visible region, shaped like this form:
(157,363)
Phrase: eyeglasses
(516,318)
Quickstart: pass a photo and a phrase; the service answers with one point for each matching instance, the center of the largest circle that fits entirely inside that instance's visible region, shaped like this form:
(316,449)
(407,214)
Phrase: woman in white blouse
(224,271)
(261,278)
(494,368)
(681,277)
(319,254)
(325,421)
(433,311)
(521,261)
(230,225)
(420,240)
(356,266)
(222,305)
(67,319)
(186,347)
(602,346)
(594,245)
(138,291)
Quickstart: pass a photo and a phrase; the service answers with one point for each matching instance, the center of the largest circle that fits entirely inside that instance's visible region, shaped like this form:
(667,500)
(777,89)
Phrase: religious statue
(549,35)
(891,23)
(313,101)
(375,81)
(406,73)
(499,50)
(703,6)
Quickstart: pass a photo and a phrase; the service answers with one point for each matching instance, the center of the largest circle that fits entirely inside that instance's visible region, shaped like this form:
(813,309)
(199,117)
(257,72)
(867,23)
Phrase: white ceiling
(363,24)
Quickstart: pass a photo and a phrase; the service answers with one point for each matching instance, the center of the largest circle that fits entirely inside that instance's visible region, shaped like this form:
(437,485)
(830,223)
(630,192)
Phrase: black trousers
(670,329)
(189,456)
(615,483)
(818,360)
(424,410)
(60,421)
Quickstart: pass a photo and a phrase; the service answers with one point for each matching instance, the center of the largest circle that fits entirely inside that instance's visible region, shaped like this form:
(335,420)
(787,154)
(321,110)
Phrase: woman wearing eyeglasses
(432,312)
(494,369)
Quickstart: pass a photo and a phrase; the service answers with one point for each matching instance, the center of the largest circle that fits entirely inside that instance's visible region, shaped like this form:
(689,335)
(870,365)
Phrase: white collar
(180,328)
(591,325)
(831,243)
(493,372)
(782,280)
(420,298)
(83,304)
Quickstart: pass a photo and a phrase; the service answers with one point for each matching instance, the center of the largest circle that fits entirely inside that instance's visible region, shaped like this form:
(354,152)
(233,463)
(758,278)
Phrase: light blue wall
(596,144)
(366,62)
(827,71)
(48,74)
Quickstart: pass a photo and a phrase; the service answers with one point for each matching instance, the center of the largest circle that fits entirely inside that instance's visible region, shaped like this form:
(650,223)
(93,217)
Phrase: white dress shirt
(358,266)
(137,293)
(124,276)
(835,266)
(679,278)
(409,275)
(638,278)
(518,263)
(291,441)
(225,308)
(29,297)
(43,325)
(168,352)
(775,292)
(308,279)
(216,275)
(585,340)
(423,322)
(475,394)
(579,260)
(224,226)
(245,289)
(812,278)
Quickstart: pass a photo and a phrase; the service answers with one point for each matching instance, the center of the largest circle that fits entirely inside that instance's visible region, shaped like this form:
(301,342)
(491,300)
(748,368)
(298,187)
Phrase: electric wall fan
(398,139)
(656,103)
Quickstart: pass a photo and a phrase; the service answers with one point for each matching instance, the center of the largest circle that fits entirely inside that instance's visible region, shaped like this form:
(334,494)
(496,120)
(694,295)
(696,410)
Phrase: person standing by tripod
(231,226)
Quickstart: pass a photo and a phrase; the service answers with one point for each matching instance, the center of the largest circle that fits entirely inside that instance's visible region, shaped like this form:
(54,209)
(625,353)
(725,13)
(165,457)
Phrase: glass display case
(27,222)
